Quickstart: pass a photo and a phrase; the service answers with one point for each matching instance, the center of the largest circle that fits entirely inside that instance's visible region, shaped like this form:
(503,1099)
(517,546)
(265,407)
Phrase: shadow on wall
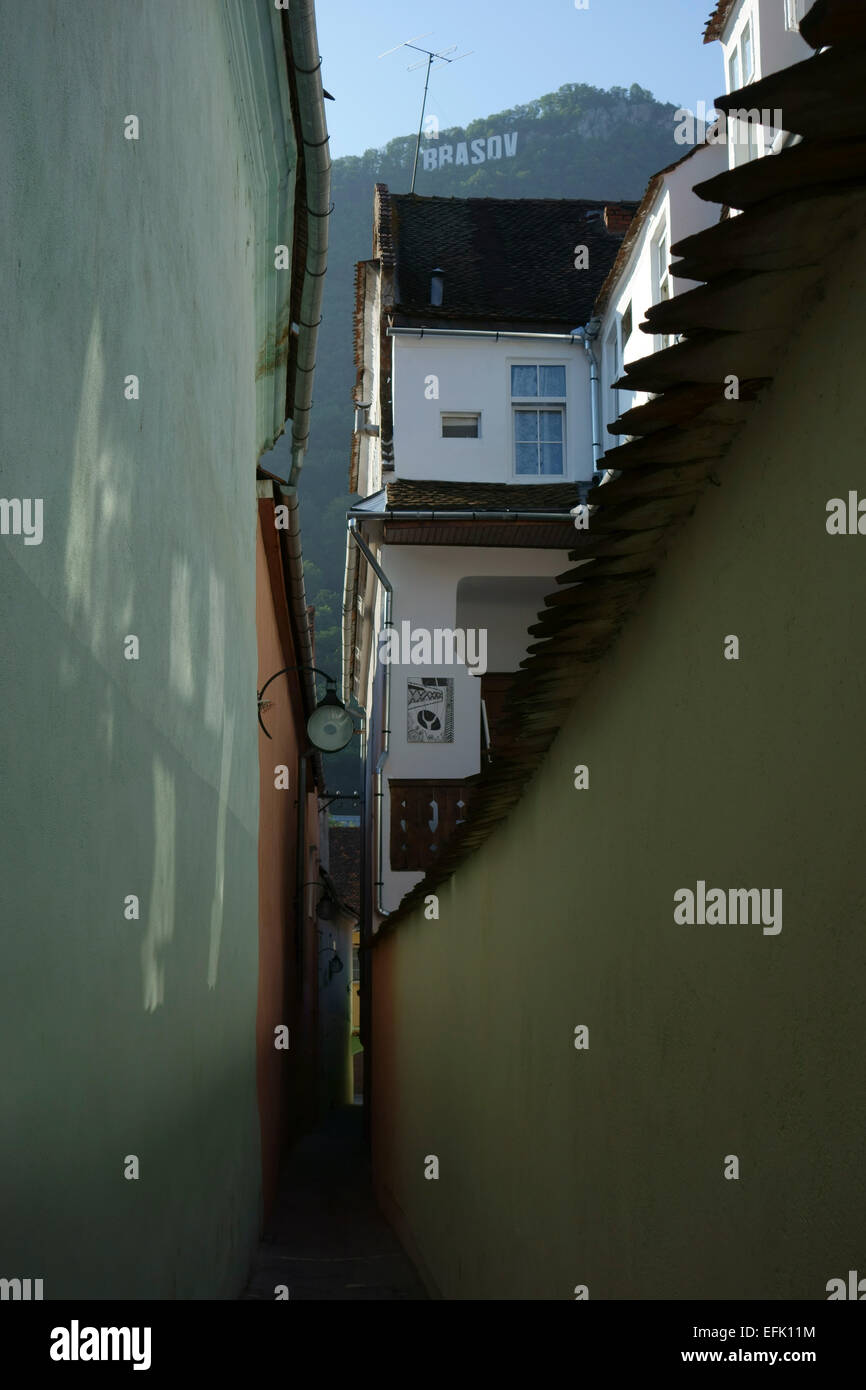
(190,704)
(132,1026)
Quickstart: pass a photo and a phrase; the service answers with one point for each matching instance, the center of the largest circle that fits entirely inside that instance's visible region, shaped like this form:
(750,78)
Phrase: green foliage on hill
(577,142)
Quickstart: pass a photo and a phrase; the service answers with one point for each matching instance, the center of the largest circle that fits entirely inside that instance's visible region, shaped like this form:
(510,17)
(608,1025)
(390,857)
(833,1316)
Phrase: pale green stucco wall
(120,777)
(605,1167)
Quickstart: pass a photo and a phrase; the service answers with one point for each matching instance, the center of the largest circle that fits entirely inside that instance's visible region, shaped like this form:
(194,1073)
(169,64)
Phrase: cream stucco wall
(426,580)
(605,1167)
(128,1037)
(473,375)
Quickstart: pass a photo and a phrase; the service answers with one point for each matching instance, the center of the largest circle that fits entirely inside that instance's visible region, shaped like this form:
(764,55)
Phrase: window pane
(612,358)
(748,65)
(526,425)
(551,425)
(524,381)
(733,72)
(459,426)
(527,458)
(662,256)
(551,381)
(551,458)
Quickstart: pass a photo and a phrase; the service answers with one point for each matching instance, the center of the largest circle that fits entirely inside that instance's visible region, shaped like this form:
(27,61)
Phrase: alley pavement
(327,1238)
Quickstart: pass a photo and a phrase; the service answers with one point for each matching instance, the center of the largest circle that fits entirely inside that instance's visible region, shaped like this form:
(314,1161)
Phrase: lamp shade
(330,725)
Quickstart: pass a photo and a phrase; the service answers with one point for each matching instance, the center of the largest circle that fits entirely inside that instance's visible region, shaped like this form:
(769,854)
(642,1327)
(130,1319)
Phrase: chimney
(437,287)
(617,218)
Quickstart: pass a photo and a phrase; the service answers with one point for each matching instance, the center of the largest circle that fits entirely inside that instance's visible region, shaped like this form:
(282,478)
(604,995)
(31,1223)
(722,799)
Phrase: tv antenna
(430,57)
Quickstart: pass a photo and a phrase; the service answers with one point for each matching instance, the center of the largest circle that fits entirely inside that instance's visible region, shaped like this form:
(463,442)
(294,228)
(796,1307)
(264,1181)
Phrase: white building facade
(473,445)
(643,273)
(758,37)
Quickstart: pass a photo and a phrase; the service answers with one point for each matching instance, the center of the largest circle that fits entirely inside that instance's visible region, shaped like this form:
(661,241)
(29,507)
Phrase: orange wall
(286,1080)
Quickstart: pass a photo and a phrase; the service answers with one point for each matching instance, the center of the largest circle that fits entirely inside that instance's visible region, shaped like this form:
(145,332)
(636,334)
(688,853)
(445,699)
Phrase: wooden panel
(495,688)
(424,817)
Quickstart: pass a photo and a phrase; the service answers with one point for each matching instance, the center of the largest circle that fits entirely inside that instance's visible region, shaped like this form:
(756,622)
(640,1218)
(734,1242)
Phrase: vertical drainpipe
(300,878)
(587,336)
(379,793)
(313,137)
(301,22)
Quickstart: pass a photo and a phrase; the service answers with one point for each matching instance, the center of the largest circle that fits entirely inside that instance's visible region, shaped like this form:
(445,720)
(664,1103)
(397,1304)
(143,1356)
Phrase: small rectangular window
(614,371)
(465,426)
(539,382)
(748,55)
(661,281)
(539,419)
(734,71)
(744,136)
(538,442)
(662,277)
(626,327)
(794,11)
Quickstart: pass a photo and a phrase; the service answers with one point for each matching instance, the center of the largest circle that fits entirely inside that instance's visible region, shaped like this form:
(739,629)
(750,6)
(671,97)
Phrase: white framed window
(744,136)
(625,328)
(613,360)
(661,278)
(461,425)
(538,400)
(794,12)
(734,70)
(747,53)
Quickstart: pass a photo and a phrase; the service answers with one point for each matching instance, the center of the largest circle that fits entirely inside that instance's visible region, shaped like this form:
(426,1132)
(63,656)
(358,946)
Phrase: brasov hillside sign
(471,151)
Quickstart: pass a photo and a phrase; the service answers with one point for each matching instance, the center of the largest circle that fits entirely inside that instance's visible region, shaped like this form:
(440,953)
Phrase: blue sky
(520,50)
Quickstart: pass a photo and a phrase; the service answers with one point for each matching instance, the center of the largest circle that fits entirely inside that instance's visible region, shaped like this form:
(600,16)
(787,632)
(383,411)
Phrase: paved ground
(327,1238)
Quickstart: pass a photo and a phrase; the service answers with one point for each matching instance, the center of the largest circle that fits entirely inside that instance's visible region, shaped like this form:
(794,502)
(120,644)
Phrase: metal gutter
(294,567)
(379,794)
(350,591)
(454,514)
(313,133)
(495,333)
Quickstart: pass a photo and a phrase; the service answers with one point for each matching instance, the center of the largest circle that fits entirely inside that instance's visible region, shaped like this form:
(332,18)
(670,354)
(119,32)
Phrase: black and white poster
(430,709)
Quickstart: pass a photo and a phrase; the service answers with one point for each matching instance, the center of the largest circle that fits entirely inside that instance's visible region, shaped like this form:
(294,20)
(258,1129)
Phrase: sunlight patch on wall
(216,912)
(160,917)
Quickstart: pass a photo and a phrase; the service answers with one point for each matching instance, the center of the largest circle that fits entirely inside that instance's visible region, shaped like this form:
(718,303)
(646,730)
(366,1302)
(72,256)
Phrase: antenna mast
(431,58)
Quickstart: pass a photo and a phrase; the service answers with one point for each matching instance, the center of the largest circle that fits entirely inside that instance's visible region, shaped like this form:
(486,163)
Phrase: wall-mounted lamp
(330,726)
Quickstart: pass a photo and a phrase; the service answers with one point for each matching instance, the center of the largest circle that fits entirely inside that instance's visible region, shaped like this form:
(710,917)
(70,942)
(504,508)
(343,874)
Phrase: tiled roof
(493,497)
(715,26)
(344,850)
(636,225)
(762,270)
(505,260)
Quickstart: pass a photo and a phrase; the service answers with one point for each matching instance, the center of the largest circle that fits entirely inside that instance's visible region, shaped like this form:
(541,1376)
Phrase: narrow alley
(327,1239)
(433,666)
